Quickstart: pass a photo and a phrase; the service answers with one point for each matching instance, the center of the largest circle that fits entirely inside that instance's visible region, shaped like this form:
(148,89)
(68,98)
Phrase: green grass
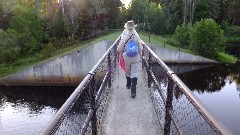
(166,41)
(226,58)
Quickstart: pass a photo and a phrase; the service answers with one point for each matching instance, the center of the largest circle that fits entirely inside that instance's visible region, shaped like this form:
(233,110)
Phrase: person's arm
(139,43)
(121,45)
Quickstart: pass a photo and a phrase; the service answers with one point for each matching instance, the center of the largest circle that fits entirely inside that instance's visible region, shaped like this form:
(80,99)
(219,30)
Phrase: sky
(126,2)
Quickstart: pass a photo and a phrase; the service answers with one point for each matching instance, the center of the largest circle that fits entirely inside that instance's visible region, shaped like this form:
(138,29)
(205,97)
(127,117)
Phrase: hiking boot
(133,87)
(128,85)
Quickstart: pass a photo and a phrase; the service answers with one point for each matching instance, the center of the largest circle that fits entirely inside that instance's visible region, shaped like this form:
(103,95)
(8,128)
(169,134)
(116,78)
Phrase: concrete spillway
(174,56)
(70,69)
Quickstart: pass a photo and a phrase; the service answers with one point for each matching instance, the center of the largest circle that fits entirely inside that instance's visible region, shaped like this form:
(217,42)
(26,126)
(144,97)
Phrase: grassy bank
(166,41)
(36,59)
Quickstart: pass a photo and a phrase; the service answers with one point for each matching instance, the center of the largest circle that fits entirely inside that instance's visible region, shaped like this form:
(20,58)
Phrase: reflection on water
(218,87)
(27,110)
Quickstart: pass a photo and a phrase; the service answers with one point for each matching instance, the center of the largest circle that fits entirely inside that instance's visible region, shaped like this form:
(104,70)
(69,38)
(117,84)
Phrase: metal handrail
(53,124)
(203,110)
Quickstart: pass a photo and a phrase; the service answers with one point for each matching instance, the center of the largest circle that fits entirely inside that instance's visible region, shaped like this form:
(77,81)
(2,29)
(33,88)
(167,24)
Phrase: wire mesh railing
(82,112)
(178,110)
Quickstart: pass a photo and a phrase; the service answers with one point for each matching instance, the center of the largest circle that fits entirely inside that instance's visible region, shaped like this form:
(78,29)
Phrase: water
(218,87)
(27,110)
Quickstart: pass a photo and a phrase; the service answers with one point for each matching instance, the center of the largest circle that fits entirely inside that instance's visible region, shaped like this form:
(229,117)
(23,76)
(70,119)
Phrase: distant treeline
(30,26)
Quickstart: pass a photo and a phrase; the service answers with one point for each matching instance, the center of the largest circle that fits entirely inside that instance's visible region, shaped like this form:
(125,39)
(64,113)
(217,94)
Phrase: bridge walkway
(129,116)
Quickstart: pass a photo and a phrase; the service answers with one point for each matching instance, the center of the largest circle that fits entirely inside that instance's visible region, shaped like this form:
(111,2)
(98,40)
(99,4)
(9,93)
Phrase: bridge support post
(167,125)
(149,37)
(93,107)
(115,57)
(110,70)
(143,58)
(149,68)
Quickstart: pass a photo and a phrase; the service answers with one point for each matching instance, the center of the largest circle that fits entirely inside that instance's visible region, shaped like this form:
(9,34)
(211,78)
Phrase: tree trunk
(185,12)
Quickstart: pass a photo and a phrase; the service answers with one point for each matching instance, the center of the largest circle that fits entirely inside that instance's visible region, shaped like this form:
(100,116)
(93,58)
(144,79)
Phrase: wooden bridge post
(167,126)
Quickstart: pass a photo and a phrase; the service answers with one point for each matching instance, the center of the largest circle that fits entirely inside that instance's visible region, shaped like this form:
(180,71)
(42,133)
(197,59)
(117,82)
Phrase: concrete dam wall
(174,56)
(70,69)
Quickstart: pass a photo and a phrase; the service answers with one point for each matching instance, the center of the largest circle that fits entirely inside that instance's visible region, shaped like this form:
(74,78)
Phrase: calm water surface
(218,87)
(27,110)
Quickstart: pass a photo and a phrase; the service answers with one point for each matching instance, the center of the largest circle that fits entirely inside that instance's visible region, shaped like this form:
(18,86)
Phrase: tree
(173,12)
(124,16)
(207,9)
(139,11)
(5,14)
(234,12)
(28,26)
(182,35)
(207,38)
(9,48)
(156,19)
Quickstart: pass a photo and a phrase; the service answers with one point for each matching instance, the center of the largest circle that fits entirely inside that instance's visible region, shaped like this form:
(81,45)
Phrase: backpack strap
(129,38)
(127,41)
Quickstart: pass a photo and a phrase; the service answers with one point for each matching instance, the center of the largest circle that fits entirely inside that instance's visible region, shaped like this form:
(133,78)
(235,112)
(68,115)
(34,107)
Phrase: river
(218,87)
(27,110)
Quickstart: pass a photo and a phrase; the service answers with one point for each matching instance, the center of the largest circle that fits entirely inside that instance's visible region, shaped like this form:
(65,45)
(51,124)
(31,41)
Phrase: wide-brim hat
(130,25)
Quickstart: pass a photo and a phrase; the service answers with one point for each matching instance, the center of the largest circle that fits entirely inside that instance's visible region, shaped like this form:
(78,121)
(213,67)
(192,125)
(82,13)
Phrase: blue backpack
(132,48)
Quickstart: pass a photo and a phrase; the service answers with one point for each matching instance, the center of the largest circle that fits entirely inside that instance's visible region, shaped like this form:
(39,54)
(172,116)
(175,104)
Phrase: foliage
(28,29)
(182,35)
(207,9)
(232,34)
(48,50)
(9,49)
(226,58)
(5,15)
(233,40)
(173,12)
(232,31)
(149,16)
(234,12)
(157,19)
(207,38)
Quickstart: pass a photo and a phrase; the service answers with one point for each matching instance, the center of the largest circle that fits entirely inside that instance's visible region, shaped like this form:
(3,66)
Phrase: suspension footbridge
(164,104)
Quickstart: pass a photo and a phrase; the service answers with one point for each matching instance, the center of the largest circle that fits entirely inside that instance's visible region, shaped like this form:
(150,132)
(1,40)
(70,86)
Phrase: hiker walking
(130,47)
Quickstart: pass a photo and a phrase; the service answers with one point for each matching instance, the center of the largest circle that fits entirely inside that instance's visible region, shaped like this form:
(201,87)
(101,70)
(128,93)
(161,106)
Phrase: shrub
(207,38)
(226,58)
(9,49)
(48,50)
(182,35)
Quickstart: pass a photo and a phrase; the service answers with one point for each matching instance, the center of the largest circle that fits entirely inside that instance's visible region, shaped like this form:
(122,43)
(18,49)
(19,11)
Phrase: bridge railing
(178,110)
(83,110)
